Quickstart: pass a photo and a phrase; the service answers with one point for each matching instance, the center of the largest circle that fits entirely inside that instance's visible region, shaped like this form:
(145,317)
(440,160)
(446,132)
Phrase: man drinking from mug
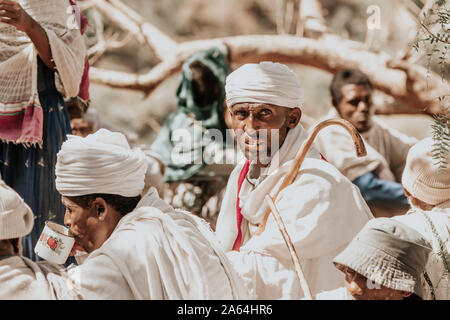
(139,247)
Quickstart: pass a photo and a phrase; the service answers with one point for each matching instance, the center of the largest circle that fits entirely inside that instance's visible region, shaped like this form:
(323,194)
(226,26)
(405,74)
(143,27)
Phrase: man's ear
(294,116)
(102,209)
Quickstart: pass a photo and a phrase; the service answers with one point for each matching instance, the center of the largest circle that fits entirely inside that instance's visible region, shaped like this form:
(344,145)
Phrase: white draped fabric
(322,211)
(434,226)
(23,279)
(158,253)
(18,56)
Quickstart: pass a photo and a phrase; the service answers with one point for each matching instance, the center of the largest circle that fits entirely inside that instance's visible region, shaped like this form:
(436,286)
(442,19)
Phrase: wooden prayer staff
(301,154)
(288,241)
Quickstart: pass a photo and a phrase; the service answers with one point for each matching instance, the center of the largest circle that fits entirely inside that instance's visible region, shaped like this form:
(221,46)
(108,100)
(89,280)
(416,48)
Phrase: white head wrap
(102,162)
(16,218)
(266,82)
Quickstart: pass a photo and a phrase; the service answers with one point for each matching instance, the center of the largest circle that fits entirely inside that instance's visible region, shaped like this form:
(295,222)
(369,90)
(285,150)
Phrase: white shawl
(23,279)
(18,56)
(434,226)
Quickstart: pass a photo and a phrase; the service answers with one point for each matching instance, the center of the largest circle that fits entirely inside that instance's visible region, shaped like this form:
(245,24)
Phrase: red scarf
(242,175)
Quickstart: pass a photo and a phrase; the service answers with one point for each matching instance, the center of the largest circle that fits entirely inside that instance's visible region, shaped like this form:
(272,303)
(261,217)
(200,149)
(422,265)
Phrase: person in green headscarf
(183,138)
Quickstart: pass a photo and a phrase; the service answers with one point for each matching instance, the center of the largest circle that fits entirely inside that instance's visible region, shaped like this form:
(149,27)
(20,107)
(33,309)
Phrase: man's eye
(240,113)
(265,112)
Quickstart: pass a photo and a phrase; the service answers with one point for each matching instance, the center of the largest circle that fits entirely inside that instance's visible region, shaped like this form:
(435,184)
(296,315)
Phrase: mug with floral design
(55,243)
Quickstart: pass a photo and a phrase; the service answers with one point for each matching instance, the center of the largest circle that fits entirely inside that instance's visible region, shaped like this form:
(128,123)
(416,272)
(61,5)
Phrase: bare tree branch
(403,81)
(129,20)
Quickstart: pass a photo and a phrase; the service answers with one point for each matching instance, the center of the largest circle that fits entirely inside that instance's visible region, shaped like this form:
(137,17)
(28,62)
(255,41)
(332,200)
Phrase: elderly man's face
(355,105)
(88,225)
(360,288)
(257,125)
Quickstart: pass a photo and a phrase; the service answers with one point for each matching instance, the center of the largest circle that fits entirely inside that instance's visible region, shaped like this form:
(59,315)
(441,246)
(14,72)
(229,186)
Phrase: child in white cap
(428,190)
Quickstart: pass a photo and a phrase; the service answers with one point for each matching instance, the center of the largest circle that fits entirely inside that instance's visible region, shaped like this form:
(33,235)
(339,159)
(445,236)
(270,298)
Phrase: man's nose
(251,125)
(67,221)
(363,106)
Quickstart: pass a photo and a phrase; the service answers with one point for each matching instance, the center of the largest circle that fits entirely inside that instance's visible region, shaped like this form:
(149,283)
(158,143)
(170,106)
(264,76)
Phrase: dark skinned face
(358,288)
(257,124)
(92,226)
(355,105)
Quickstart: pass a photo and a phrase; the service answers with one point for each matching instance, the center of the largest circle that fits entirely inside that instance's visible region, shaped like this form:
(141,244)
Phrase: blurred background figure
(196,164)
(378,174)
(35,42)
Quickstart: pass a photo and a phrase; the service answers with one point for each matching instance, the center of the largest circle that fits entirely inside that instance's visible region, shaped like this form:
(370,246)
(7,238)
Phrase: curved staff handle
(301,154)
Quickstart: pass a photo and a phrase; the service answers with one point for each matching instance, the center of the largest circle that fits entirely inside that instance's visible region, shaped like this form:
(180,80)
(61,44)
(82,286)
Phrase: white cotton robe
(386,152)
(434,226)
(322,211)
(23,279)
(158,253)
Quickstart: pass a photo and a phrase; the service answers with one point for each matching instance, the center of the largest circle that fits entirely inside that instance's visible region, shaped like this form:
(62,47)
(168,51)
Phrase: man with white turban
(137,248)
(322,209)
(20,277)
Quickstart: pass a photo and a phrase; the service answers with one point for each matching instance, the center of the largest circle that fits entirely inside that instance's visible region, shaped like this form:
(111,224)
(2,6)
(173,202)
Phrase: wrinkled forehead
(257,106)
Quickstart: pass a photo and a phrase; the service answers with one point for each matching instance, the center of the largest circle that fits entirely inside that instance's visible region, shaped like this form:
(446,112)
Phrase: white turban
(266,82)
(102,162)
(16,217)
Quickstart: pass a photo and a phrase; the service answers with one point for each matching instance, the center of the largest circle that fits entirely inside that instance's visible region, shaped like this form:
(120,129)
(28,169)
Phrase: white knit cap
(102,162)
(264,82)
(16,217)
(421,176)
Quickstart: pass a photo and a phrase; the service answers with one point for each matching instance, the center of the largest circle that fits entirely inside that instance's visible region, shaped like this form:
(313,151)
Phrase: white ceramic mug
(55,243)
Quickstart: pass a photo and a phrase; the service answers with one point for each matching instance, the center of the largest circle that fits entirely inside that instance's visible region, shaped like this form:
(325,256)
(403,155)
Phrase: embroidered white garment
(158,253)
(322,211)
(434,226)
(264,82)
(101,161)
(18,56)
